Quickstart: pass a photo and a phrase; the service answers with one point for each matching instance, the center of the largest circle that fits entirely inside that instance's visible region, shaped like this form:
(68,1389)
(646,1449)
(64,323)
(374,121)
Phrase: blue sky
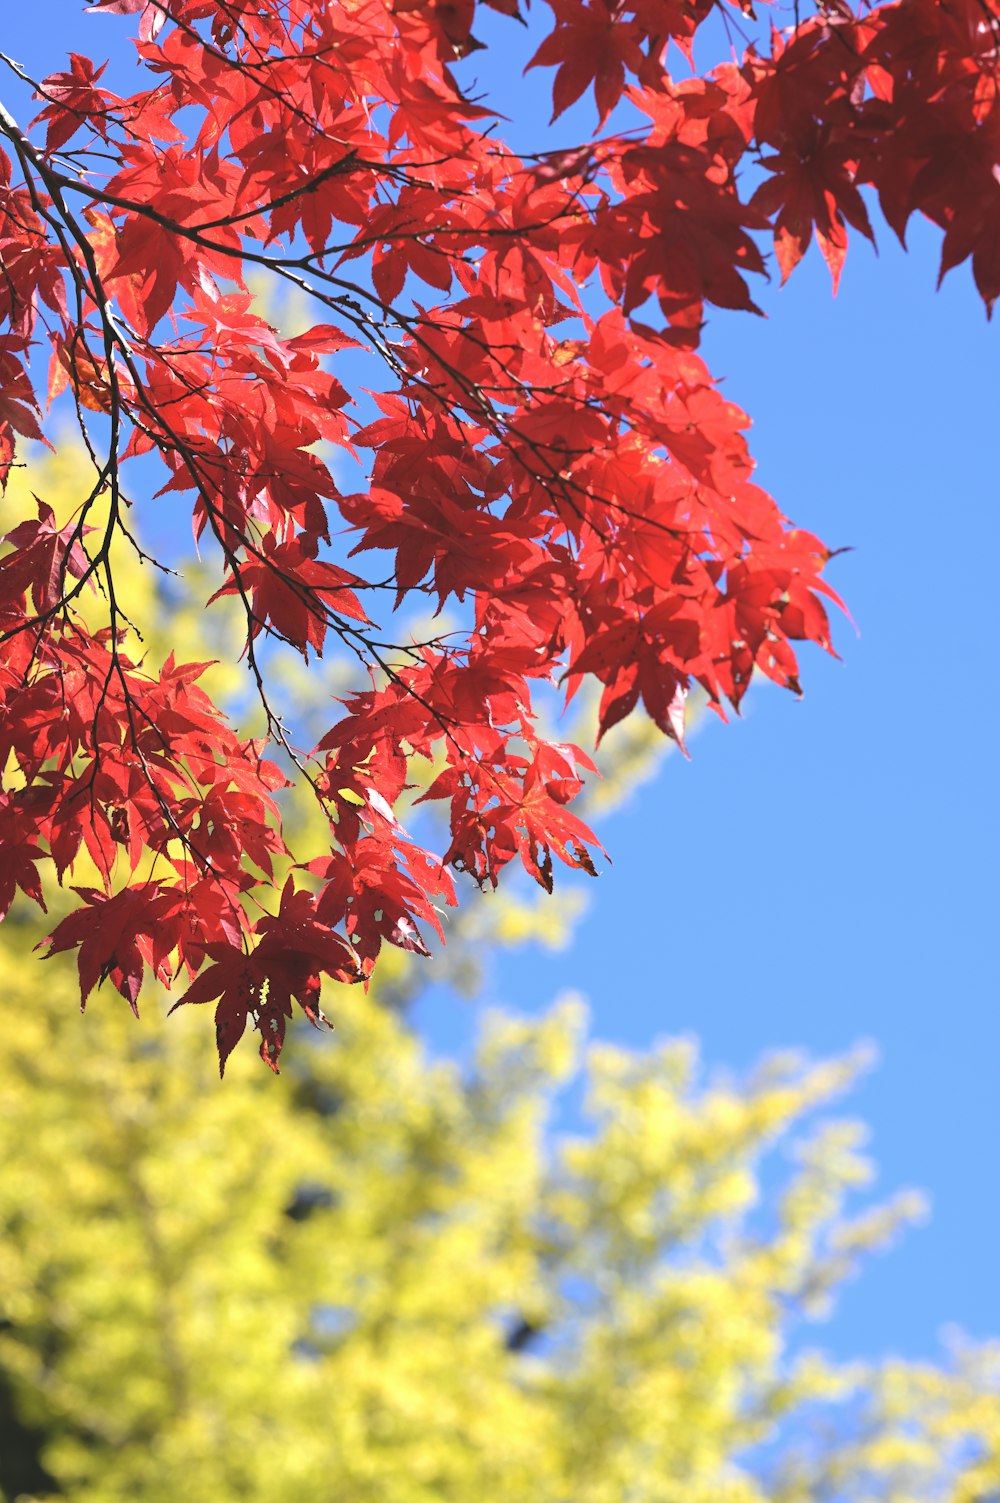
(825,871)
(822,871)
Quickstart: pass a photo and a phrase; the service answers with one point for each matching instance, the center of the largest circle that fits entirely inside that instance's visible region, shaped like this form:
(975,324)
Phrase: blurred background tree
(389,1278)
(384,1277)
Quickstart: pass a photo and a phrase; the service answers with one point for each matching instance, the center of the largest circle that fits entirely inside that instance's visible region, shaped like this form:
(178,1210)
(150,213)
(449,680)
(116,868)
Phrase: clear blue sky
(823,871)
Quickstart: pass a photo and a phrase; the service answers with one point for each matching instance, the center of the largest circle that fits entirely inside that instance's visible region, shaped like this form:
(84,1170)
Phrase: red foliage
(560,461)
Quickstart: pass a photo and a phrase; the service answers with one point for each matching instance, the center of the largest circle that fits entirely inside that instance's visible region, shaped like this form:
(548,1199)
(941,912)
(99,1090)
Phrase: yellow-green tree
(385,1278)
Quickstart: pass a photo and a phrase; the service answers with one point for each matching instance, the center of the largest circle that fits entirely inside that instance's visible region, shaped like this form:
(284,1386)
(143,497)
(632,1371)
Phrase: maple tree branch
(588,500)
(108,473)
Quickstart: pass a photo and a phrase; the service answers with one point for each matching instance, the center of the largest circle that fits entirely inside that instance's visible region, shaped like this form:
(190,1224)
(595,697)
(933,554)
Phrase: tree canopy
(403,1280)
(496,389)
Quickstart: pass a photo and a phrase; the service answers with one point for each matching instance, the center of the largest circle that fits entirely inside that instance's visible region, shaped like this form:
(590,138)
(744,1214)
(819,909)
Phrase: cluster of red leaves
(903,99)
(586,491)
